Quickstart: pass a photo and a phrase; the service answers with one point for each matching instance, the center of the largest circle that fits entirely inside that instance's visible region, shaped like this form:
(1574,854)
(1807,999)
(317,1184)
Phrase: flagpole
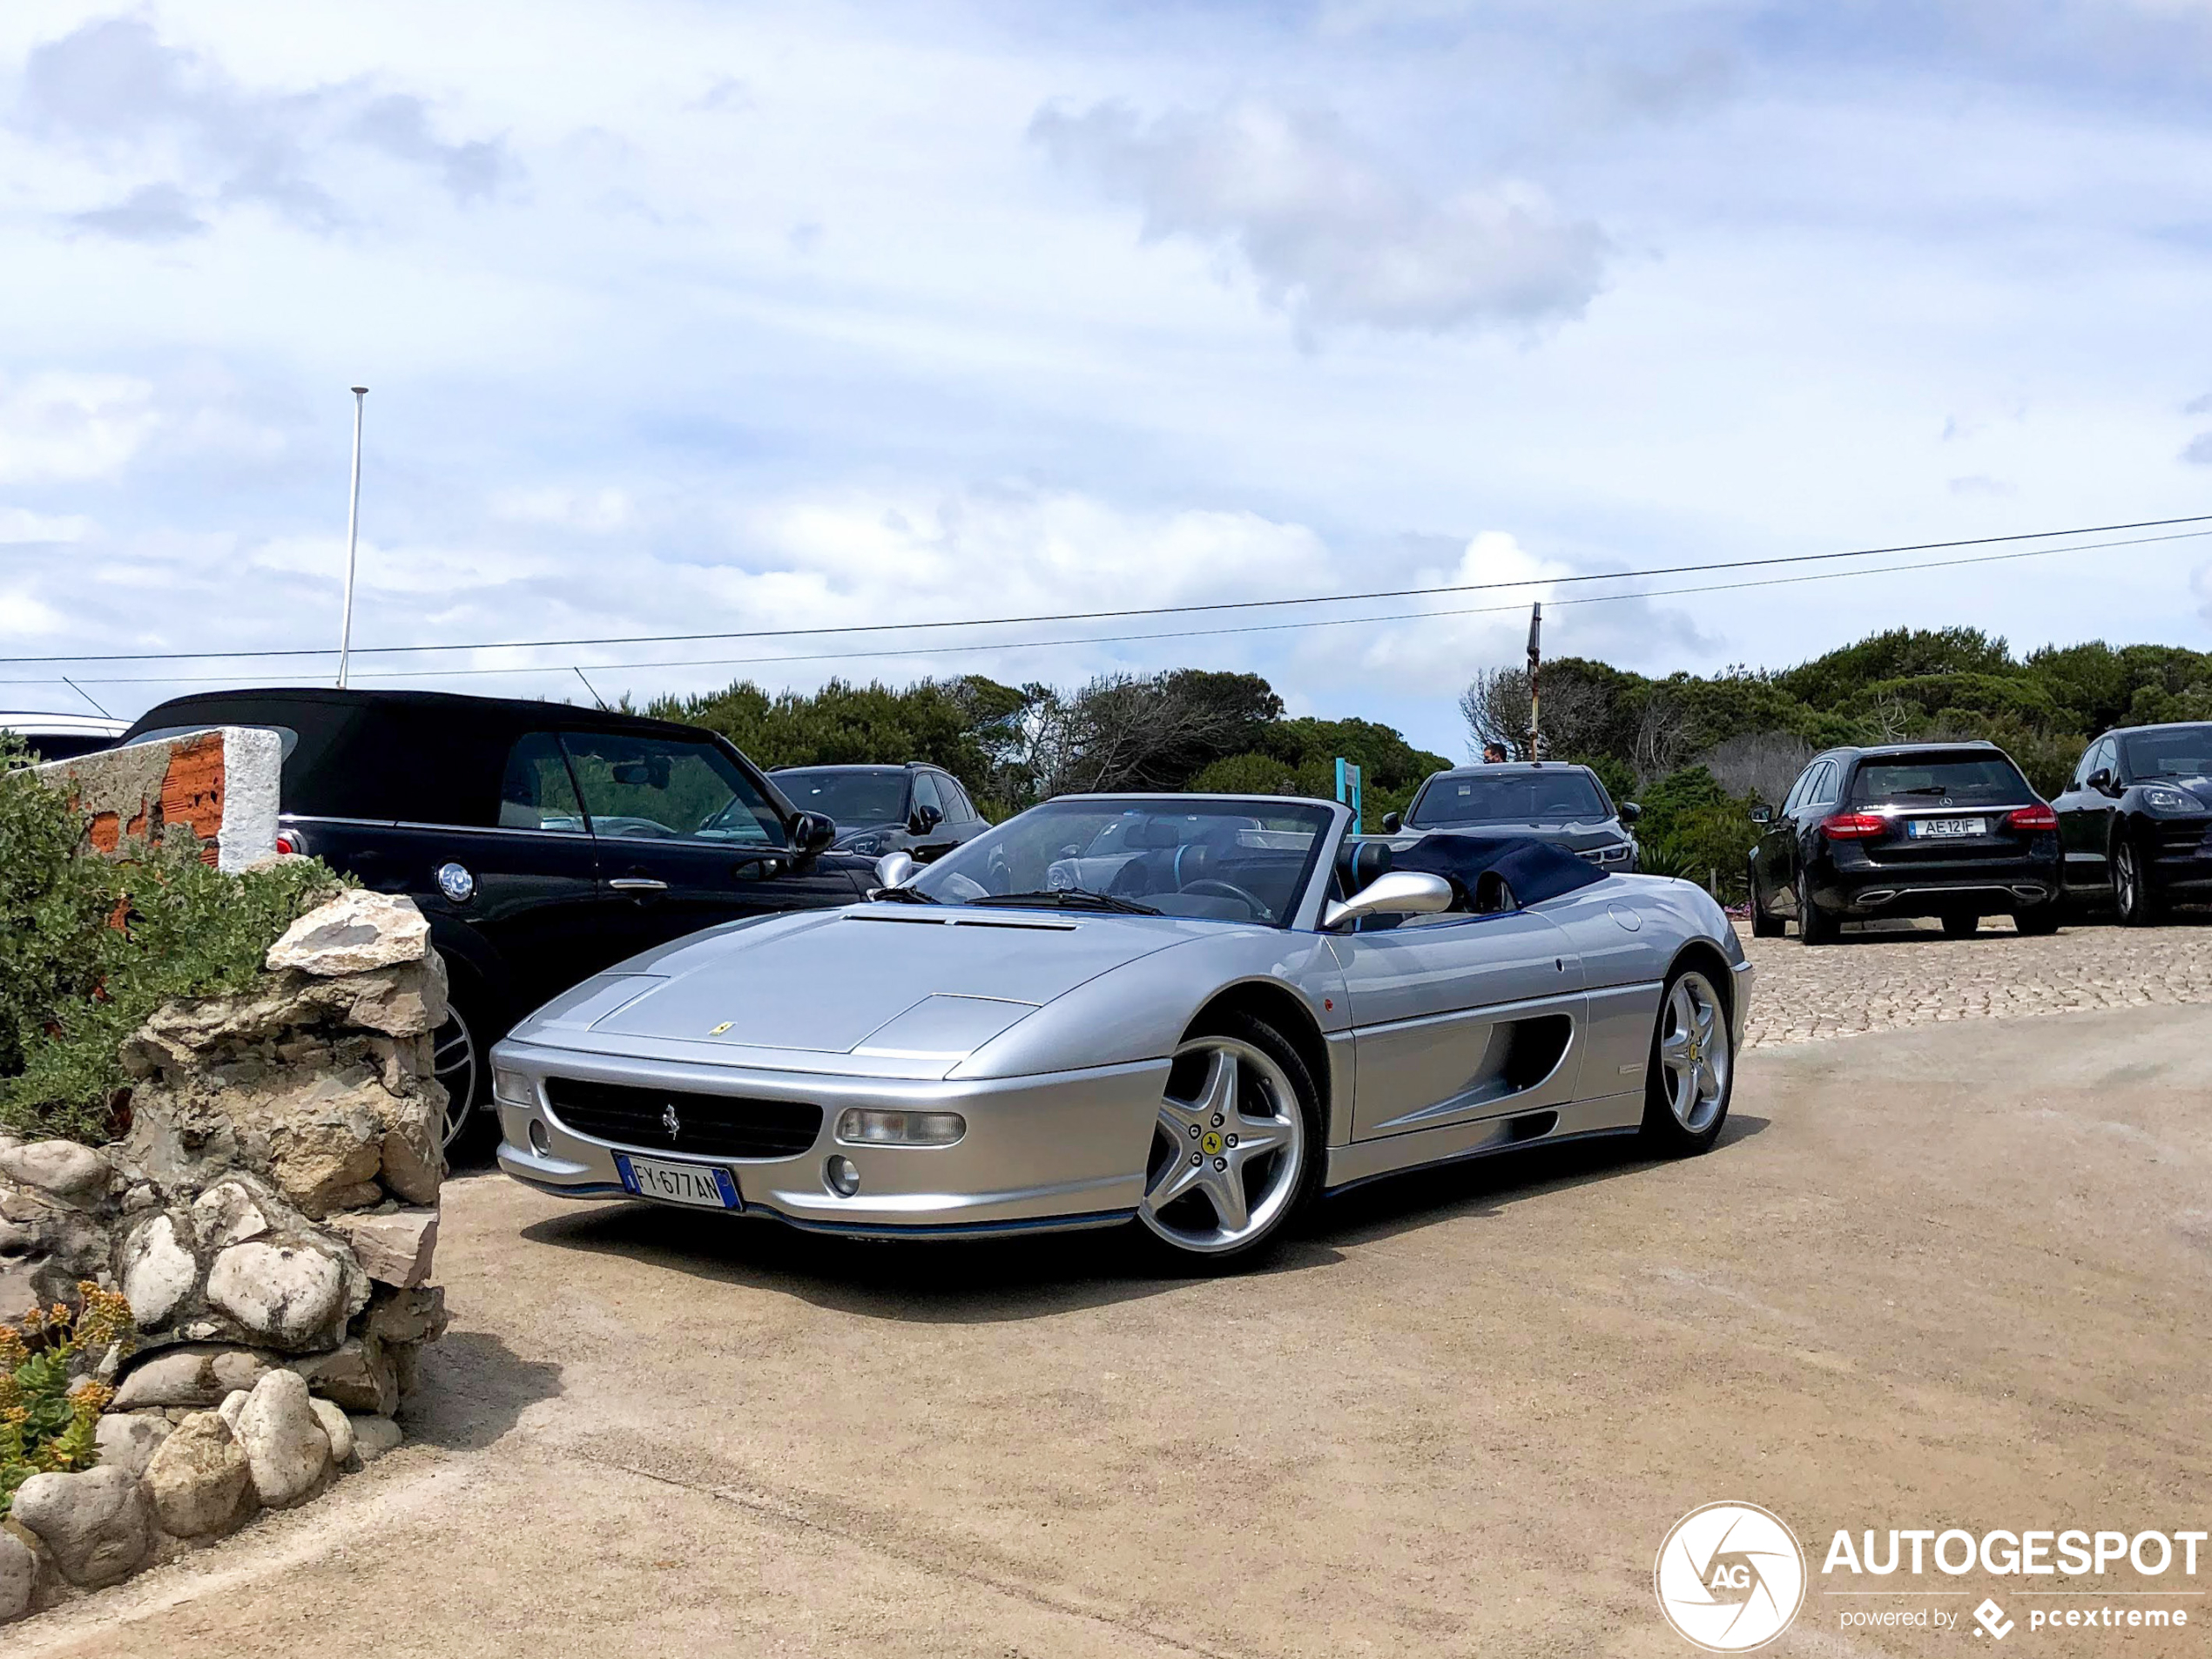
(352,531)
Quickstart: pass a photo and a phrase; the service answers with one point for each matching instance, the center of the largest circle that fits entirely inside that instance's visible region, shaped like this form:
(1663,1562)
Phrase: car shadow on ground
(987,1281)
(474,1389)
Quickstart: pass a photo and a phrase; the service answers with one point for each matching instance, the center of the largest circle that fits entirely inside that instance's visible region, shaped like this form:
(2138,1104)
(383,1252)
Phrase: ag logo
(1730,1577)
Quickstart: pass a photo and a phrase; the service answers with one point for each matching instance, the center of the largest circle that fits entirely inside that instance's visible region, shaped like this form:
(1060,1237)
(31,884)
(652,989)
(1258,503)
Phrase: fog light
(540,1143)
(864,1126)
(511,1089)
(844,1180)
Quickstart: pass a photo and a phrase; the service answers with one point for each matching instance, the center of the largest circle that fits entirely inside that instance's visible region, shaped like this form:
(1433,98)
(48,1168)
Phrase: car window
(926,795)
(855,796)
(1821,791)
(1938,780)
(963,809)
(2081,770)
(537,792)
(1797,789)
(664,789)
(2181,752)
(1551,796)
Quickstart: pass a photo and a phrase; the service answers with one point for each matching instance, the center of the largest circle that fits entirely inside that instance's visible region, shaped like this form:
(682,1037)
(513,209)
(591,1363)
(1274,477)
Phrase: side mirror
(812,831)
(1392,823)
(2101,781)
(925,819)
(1400,893)
(1630,811)
(894,870)
(1762,814)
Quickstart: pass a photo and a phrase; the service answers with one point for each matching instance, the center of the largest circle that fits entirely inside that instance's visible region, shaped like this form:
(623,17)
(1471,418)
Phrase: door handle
(638,884)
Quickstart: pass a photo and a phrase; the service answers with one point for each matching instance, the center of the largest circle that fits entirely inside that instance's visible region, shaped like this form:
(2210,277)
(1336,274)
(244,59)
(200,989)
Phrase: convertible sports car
(1199,1012)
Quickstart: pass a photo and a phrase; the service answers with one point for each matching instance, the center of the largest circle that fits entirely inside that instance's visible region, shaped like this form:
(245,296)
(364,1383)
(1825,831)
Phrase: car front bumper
(1065,1149)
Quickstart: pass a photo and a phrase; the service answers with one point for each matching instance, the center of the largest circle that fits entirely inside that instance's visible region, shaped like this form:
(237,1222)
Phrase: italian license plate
(702,1184)
(1937,829)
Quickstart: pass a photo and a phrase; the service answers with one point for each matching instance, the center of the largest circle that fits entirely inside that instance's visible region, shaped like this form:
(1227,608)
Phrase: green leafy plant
(90,947)
(50,1413)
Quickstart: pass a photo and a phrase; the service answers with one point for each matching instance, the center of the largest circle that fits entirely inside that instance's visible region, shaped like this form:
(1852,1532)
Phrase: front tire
(1691,1073)
(461,1062)
(2131,894)
(1236,1149)
(1763,925)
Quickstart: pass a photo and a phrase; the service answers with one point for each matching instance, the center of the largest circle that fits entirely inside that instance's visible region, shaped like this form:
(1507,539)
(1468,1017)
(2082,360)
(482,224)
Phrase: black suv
(917,809)
(544,842)
(2136,820)
(1564,805)
(1950,830)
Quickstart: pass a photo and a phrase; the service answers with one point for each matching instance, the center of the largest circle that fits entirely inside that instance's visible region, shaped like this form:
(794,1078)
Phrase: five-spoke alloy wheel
(1235,1147)
(456,1062)
(1692,1066)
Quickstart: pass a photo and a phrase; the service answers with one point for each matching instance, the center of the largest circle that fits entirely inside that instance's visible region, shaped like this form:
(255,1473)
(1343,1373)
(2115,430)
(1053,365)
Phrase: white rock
(354,934)
(286,1447)
(193,1376)
(374,1436)
(98,1524)
(234,1403)
(62,1167)
(394,1249)
(158,1271)
(199,1482)
(336,1429)
(128,1441)
(227,1213)
(292,1295)
(18,1577)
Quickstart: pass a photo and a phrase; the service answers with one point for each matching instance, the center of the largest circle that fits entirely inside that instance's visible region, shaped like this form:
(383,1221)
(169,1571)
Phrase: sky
(698,318)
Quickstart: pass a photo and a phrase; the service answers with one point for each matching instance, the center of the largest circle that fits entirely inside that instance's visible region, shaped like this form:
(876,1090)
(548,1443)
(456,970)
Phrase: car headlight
(867,1126)
(511,1087)
(2172,802)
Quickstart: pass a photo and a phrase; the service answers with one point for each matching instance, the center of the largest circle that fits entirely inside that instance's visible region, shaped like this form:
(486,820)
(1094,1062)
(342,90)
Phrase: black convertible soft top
(1536,870)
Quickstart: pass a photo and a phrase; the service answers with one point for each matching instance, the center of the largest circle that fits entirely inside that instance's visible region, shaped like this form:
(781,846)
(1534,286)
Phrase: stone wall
(271,1217)
(220,786)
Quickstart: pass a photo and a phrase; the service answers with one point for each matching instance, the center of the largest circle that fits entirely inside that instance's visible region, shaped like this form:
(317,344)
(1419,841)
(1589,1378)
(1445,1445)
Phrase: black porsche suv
(544,842)
(1951,830)
(2136,820)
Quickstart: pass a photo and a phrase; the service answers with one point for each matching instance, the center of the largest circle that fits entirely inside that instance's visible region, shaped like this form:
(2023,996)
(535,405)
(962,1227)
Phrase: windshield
(2185,751)
(1223,861)
(853,796)
(1938,780)
(1508,798)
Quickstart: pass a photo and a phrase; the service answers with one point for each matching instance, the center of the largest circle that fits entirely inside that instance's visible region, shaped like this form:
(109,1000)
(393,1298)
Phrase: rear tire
(1815,926)
(1961,927)
(1763,925)
(1690,1075)
(2041,921)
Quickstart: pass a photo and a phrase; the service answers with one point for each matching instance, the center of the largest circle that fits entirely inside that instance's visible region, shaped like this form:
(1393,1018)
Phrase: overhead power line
(1184,633)
(1109,616)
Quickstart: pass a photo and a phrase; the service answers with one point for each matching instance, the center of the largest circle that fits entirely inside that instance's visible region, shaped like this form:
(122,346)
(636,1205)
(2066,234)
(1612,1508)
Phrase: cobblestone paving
(1879,982)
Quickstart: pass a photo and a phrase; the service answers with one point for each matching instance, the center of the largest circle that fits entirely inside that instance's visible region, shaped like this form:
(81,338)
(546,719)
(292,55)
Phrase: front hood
(1575,837)
(894,982)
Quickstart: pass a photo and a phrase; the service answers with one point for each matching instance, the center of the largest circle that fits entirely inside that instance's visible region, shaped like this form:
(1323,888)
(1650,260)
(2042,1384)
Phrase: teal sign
(1348,789)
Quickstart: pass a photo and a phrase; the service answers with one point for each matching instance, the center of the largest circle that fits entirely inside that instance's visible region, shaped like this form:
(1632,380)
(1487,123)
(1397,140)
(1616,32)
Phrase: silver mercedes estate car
(1196,1012)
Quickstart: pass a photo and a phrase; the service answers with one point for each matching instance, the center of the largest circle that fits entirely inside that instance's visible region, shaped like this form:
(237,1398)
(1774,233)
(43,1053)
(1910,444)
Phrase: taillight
(1854,827)
(290,841)
(2038,816)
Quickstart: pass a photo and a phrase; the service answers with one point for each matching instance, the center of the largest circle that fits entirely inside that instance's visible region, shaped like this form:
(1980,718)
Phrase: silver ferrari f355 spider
(1198,1013)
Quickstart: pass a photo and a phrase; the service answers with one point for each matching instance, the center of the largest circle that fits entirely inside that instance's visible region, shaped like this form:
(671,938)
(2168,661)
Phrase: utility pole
(1535,663)
(352,531)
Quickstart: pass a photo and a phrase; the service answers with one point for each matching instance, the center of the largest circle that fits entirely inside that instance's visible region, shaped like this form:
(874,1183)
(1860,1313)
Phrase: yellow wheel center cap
(1211,1144)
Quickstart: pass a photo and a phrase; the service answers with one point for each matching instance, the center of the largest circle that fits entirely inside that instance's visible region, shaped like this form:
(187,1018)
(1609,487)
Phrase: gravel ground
(1457,1418)
(1901,977)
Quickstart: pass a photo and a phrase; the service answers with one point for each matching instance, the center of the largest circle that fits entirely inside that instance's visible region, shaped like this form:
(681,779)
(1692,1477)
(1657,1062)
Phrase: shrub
(90,947)
(46,1428)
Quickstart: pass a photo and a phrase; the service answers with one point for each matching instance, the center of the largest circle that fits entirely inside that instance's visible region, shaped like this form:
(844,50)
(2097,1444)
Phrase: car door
(687,839)
(1775,852)
(1436,1004)
(2084,820)
(1814,804)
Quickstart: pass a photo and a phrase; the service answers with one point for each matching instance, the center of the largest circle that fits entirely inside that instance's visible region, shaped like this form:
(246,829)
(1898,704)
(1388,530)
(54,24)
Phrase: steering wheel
(1207,888)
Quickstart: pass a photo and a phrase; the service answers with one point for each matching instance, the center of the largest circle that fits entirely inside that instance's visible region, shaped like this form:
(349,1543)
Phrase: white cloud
(597,511)
(22,614)
(72,427)
(17,525)
(1329,234)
